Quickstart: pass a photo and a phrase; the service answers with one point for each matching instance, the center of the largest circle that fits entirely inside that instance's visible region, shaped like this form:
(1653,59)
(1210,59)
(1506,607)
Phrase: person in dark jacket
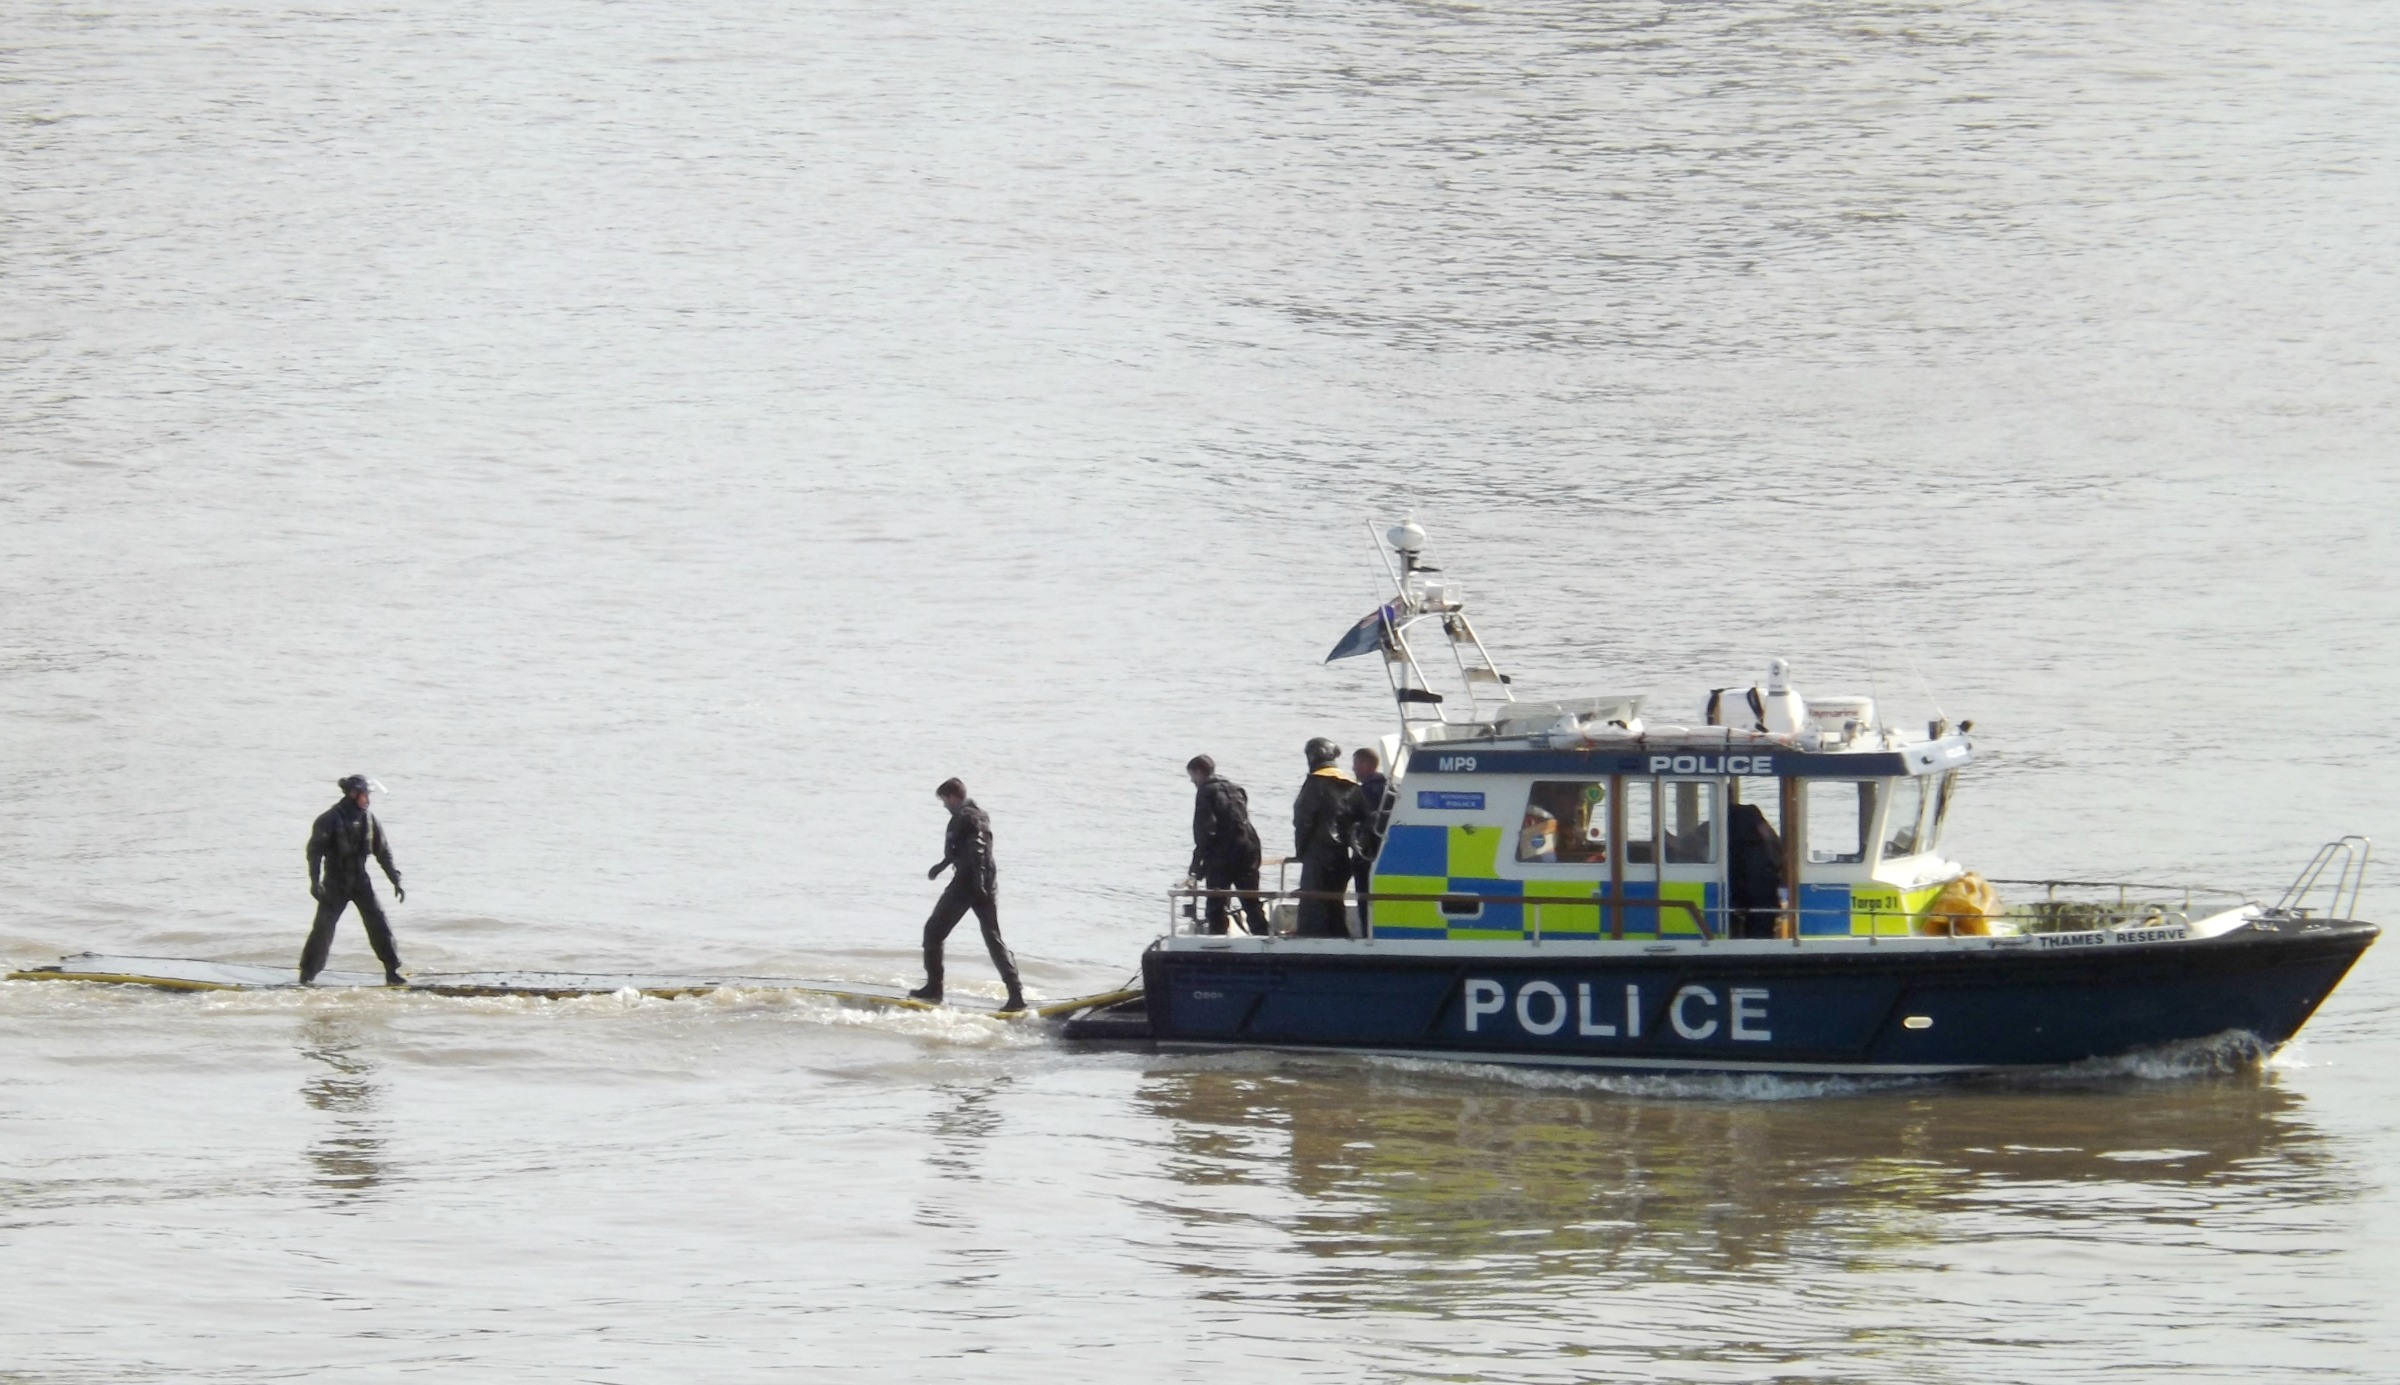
(1325,821)
(1754,873)
(974,884)
(1225,849)
(1368,767)
(344,838)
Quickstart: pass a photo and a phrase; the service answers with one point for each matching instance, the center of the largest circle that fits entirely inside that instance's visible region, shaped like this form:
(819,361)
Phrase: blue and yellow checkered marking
(1415,851)
(1464,860)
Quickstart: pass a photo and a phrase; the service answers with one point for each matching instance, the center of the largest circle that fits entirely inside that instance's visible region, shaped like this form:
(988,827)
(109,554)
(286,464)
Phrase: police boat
(1566,884)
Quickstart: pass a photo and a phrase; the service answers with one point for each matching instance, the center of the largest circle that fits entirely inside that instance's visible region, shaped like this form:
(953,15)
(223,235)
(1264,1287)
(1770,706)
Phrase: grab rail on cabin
(2346,881)
(1615,905)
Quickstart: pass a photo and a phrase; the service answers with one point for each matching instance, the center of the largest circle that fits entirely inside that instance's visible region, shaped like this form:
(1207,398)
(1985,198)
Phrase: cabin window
(1641,846)
(1941,809)
(1838,814)
(1904,823)
(1566,820)
(1690,809)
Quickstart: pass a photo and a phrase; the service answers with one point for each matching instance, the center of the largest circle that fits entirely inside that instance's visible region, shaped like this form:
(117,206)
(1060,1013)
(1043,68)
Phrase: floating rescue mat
(192,974)
(1964,909)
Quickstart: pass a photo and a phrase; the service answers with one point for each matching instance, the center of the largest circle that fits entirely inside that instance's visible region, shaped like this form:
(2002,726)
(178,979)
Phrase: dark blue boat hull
(1853,1011)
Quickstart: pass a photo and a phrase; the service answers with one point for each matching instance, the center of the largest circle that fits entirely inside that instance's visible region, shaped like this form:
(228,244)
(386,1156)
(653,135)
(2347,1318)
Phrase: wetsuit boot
(947,911)
(331,901)
(379,933)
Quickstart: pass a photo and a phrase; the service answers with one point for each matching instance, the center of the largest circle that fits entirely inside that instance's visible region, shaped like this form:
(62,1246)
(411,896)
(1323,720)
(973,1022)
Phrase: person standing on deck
(1225,849)
(339,845)
(1368,767)
(1324,824)
(974,882)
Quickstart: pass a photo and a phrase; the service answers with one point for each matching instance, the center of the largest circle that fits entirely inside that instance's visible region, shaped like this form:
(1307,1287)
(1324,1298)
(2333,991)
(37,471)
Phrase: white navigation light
(1406,538)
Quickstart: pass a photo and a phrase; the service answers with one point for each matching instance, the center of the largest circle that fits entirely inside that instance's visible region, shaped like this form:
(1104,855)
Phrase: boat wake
(2233,1053)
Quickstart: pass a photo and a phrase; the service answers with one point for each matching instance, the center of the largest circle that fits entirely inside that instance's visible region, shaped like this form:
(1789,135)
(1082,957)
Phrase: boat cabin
(1756,837)
(1776,815)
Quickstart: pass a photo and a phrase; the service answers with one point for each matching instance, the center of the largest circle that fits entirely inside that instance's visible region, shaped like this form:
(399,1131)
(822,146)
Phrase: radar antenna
(1422,596)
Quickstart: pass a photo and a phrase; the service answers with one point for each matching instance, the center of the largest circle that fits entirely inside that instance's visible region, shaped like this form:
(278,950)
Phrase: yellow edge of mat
(164,983)
(1055,1008)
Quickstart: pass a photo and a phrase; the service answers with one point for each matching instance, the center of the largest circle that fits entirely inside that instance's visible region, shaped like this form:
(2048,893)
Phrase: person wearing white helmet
(346,835)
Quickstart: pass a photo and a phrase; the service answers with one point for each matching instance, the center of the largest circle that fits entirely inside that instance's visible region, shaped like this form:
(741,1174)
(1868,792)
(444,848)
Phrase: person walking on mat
(344,837)
(967,855)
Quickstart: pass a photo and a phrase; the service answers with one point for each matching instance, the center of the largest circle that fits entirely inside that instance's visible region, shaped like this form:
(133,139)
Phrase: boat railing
(2350,855)
(2082,906)
(2064,906)
(1185,905)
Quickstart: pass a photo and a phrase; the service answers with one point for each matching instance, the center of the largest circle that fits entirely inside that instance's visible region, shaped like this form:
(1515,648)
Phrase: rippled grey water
(662,441)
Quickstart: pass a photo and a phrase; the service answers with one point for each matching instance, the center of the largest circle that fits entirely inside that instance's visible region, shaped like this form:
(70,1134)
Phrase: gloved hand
(936,872)
(316,891)
(399,891)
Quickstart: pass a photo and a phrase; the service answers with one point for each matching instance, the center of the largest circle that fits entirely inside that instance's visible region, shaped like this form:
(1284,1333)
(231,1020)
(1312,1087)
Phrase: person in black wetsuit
(1754,872)
(345,836)
(1224,845)
(974,881)
(1324,824)
(1368,766)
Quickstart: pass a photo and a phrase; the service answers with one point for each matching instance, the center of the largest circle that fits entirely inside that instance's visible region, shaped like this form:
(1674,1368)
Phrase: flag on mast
(1368,635)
